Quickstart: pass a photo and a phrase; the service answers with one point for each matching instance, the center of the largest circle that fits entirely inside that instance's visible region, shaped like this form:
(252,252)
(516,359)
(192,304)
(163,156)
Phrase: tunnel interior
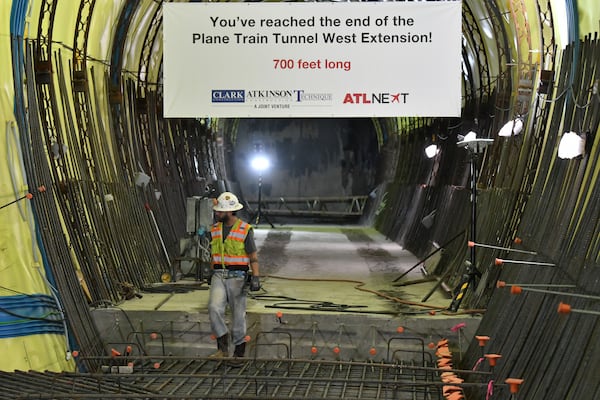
(81,96)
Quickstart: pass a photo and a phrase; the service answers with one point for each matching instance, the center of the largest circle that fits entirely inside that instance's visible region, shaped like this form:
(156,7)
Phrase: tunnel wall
(552,218)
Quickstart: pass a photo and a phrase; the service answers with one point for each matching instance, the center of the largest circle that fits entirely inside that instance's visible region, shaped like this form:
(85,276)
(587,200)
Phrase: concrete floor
(323,287)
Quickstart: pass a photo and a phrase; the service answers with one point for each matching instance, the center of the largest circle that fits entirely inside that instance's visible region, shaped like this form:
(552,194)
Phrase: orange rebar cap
(564,308)
(515,289)
(492,358)
(482,340)
(498,261)
(513,384)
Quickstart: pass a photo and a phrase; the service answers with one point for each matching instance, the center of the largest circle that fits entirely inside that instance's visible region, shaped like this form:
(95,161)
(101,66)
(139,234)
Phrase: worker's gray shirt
(249,244)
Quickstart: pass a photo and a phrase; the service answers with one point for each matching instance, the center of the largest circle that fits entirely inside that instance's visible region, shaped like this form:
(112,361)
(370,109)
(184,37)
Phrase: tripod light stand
(475,147)
(260,164)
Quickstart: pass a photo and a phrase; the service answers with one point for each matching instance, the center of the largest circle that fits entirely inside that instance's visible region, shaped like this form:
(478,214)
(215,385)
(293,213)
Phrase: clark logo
(228,96)
(375,98)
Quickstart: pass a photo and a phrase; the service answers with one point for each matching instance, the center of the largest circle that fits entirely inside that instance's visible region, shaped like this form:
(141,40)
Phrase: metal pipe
(564,308)
(162,243)
(473,244)
(501,284)
(500,261)
(515,289)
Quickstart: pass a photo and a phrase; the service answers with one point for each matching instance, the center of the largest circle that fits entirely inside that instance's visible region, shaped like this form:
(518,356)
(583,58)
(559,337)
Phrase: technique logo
(228,96)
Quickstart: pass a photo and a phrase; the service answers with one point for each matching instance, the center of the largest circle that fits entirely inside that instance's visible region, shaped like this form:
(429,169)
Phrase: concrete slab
(323,286)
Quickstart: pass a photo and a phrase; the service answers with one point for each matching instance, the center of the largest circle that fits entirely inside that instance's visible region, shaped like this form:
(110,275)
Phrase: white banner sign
(360,59)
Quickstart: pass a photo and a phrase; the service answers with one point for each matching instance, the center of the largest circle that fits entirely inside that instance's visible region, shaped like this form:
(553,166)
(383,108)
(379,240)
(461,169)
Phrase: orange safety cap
(455,396)
(492,358)
(482,340)
(564,308)
(447,389)
(515,289)
(513,384)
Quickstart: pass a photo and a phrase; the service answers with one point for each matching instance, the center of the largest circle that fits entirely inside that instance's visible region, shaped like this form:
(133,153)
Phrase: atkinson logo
(228,96)
(376,98)
(283,95)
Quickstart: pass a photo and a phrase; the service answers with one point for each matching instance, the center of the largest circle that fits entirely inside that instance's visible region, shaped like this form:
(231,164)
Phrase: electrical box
(199,214)
(194,249)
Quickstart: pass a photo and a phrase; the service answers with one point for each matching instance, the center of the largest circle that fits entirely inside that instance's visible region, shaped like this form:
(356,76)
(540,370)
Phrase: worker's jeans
(228,287)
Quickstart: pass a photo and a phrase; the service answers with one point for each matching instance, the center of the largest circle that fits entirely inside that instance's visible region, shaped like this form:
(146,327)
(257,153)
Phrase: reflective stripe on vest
(231,251)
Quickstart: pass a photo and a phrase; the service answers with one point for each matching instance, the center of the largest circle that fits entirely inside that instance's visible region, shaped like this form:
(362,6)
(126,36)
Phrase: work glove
(254,283)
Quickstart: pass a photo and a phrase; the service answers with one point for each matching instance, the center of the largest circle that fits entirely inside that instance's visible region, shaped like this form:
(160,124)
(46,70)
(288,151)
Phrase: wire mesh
(202,378)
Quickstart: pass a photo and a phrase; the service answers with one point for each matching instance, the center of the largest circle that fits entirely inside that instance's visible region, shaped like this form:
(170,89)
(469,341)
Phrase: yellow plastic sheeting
(35,353)
(589,16)
(20,265)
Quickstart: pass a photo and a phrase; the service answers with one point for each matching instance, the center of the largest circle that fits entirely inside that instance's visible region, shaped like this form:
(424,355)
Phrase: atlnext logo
(228,96)
(375,98)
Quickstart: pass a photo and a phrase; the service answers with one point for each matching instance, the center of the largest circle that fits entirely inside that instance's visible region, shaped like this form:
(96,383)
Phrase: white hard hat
(227,201)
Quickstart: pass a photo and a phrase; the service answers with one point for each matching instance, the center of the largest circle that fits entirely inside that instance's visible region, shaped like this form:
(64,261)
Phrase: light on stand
(475,147)
(432,150)
(571,145)
(511,128)
(260,164)
(469,137)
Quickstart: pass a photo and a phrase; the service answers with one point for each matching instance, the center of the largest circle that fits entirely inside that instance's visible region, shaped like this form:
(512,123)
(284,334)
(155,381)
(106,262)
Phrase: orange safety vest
(230,251)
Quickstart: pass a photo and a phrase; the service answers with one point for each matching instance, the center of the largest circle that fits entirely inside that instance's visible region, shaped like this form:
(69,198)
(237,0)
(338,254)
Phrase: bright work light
(260,163)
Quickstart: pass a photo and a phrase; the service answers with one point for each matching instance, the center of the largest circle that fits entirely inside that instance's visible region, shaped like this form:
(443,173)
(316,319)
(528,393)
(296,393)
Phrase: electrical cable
(29,317)
(11,133)
(359,284)
(61,310)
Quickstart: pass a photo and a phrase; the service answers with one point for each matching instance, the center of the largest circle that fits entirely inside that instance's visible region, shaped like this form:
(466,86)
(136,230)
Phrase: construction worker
(234,266)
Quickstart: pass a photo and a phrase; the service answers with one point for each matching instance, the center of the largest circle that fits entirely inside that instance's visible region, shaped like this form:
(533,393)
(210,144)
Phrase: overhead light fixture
(511,128)
(432,150)
(571,145)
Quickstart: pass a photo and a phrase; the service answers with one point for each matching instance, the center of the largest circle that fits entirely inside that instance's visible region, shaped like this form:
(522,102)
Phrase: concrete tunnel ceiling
(85,104)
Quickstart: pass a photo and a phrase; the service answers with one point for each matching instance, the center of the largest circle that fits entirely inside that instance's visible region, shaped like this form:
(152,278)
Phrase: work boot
(238,355)
(222,348)
(240,350)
